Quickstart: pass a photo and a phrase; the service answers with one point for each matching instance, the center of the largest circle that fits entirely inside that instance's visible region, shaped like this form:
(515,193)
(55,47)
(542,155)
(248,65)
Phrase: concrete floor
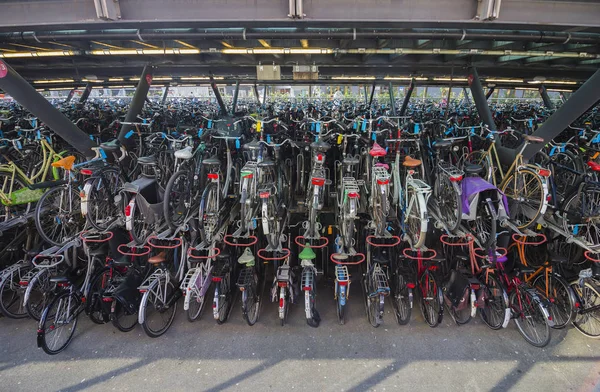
(352,357)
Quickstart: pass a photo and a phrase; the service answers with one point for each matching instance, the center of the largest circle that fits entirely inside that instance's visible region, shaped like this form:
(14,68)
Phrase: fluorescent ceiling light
(353,77)
(53,53)
(53,81)
(201,78)
(154,78)
(560,90)
(92,80)
(552,82)
(116,79)
(404,78)
(505,80)
(451,79)
(133,52)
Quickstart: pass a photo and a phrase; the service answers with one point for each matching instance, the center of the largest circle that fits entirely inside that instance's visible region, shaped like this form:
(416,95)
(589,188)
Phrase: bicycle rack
(343,259)
(568,236)
(286,252)
(229,238)
(374,241)
(325,241)
(191,251)
(4,226)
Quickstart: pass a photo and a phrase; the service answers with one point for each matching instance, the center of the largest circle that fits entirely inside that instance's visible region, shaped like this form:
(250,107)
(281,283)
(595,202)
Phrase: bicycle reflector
(319,157)
(265,195)
(247,175)
(384,181)
(86,172)
(128,210)
(318,181)
(353,195)
(456,178)
(213,176)
(544,172)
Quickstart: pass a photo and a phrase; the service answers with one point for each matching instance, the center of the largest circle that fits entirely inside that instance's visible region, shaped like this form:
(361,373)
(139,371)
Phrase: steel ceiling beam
(76,14)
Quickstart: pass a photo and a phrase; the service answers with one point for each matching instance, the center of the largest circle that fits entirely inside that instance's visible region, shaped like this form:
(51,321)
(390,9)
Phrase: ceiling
(355,39)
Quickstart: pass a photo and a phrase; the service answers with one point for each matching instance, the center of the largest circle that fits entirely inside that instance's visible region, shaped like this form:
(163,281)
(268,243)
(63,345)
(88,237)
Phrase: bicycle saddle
(159,258)
(247,257)
(185,153)
(533,139)
(212,161)
(377,151)
(59,279)
(411,162)
(471,168)
(253,145)
(266,163)
(122,261)
(381,257)
(320,146)
(521,269)
(350,161)
(65,163)
(442,143)
(112,146)
(149,160)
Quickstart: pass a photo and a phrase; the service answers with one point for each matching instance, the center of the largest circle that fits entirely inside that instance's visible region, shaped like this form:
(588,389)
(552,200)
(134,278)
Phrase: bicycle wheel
(566,171)
(58,215)
(209,212)
(99,284)
(526,195)
(560,296)
(448,201)
(58,323)
(251,305)
(341,311)
(530,318)
(178,199)
(403,300)
(18,187)
(11,295)
(121,319)
(588,323)
(283,305)
(494,311)
(141,229)
(101,208)
(39,293)
(156,310)
(485,224)
(431,300)
(196,306)
(580,212)
(416,222)
(379,216)
(222,293)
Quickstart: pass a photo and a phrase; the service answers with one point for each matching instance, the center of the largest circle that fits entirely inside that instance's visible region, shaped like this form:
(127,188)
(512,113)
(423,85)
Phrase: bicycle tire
(485,225)
(225,297)
(35,307)
(402,299)
(63,303)
(7,301)
(175,210)
(283,295)
(449,202)
(432,300)
(208,204)
(530,310)
(100,200)
(67,219)
(575,210)
(196,306)
(152,300)
(251,306)
(416,220)
(561,298)
(590,296)
(341,311)
(515,195)
(493,312)
(96,288)
(141,228)
(122,320)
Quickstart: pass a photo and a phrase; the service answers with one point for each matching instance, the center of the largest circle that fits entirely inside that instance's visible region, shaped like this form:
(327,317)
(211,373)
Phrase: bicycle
(587,290)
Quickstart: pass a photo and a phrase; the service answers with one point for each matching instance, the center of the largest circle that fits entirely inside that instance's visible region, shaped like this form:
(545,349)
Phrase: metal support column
(310,92)
(546,98)
(137,103)
(86,93)
(215,89)
(256,95)
(366,94)
(265,96)
(506,155)
(581,100)
(12,83)
(235,97)
(165,95)
(372,95)
(466,96)
(563,98)
(70,96)
(392,99)
(490,92)
(411,88)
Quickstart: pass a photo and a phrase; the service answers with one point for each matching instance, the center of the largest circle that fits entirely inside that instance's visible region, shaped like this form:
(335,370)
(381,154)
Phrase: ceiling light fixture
(53,53)
(451,79)
(504,80)
(405,78)
(353,78)
(51,81)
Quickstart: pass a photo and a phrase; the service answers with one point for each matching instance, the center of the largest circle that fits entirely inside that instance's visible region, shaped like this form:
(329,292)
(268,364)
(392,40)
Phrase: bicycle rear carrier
(246,277)
(381,281)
